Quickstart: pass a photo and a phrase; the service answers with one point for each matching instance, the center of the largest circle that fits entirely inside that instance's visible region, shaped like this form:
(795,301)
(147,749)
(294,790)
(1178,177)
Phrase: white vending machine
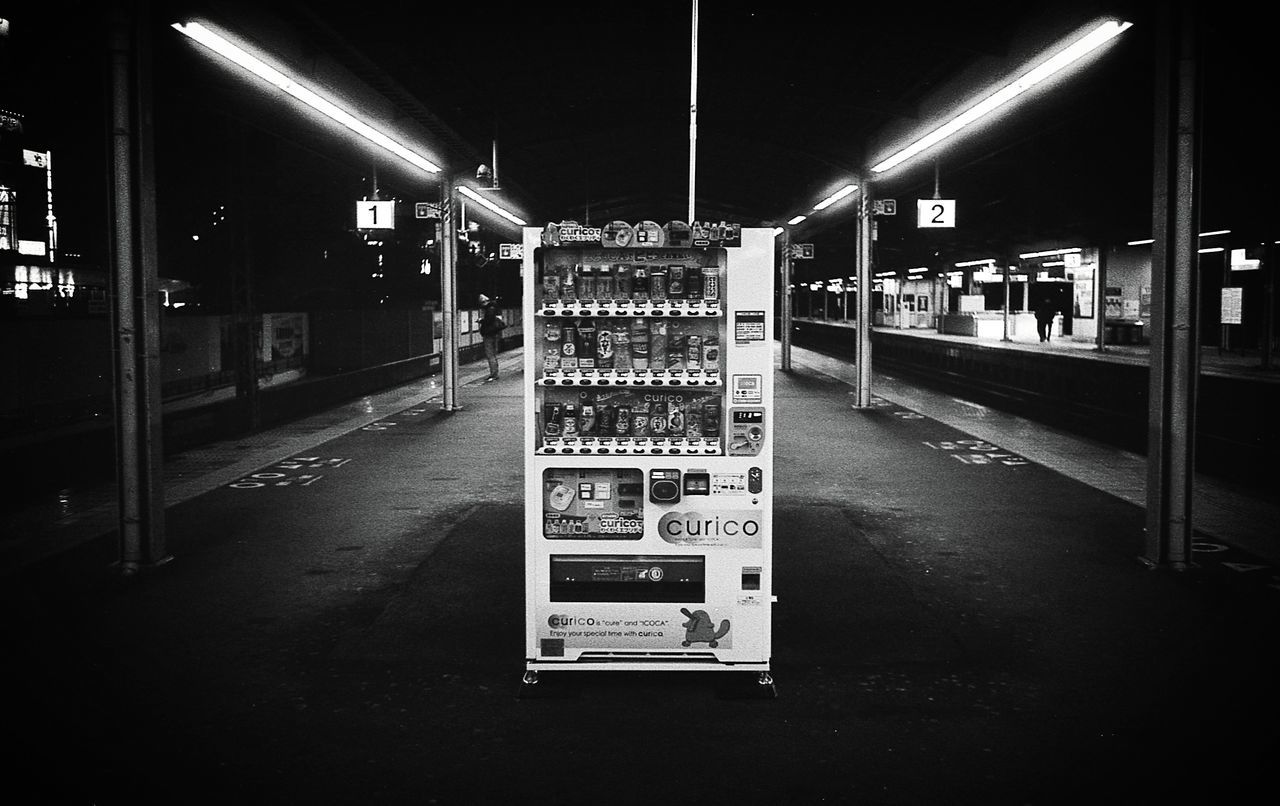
(649,458)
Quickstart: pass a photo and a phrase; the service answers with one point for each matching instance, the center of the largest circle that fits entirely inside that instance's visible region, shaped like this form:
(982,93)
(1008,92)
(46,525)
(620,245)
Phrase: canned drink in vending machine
(693,283)
(675,281)
(677,346)
(711,354)
(693,351)
(693,419)
(608,421)
(622,423)
(711,417)
(569,346)
(640,343)
(553,419)
(675,420)
(658,419)
(710,283)
(640,419)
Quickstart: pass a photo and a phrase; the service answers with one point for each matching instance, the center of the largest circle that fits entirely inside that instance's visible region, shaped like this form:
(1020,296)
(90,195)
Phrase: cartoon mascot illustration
(701,628)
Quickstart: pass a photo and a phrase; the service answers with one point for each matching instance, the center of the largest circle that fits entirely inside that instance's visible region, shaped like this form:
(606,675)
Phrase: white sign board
(935,212)
(1232,300)
(511,251)
(375,215)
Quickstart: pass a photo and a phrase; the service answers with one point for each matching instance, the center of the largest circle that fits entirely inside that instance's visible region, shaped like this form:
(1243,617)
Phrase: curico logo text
(558,622)
(695,524)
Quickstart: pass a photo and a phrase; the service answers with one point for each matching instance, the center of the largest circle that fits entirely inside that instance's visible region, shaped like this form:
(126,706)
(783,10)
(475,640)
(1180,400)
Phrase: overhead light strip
(221,46)
(1145,241)
(1050,253)
(488,205)
(1089,42)
(835,197)
(797,220)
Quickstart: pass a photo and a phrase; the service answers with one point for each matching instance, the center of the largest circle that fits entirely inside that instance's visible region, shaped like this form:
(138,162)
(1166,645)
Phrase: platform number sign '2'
(935,212)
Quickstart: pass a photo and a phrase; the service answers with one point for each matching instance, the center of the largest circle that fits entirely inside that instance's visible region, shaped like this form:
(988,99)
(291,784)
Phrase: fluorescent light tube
(835,197)
(797,219)
(1071,53)
(1051,253)
(264,71)
(488,205)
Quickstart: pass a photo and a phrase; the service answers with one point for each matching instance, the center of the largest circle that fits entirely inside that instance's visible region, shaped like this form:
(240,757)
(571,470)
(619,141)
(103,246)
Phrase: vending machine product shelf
(649,466)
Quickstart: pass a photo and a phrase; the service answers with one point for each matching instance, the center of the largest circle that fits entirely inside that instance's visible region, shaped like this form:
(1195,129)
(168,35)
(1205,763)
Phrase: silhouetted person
(491,327)
(1045,313)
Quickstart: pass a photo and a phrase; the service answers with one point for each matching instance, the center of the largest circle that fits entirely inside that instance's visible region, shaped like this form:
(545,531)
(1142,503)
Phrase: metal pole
(449,296)
(1007,270)
(1174,346)
(693,107)
(1100,299)
(124,304)
(786,300)
(863,342)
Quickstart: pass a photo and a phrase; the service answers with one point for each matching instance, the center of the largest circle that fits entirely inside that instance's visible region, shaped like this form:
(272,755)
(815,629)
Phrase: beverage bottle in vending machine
(693,351)
(587,415)
(657,283)
(622,424)
(606,286)
(640,342)
(622,346)
(553,419)
(677,347)
(586,344)
(570,428)
(623,275)
(693,283)
(586,282)
(604,347)
(569,346)
(640,283)
(710,283)
(657,344)
(607,416)
(550,282)
(569,281)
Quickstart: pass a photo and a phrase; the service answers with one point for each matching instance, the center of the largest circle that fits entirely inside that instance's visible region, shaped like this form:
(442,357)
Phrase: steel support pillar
(1175,352)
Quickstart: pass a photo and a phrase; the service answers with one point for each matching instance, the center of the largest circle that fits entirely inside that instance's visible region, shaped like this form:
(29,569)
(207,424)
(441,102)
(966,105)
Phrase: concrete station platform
(962,618)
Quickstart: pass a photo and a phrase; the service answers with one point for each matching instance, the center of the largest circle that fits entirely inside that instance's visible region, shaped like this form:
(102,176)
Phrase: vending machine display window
(589,503)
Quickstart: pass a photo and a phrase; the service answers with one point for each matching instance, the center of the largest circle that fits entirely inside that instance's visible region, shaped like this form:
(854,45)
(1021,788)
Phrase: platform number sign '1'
(375,214)
(935,212)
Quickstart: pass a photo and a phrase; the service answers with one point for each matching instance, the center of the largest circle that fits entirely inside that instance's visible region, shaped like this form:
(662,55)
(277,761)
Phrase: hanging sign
(935,212)
(1232,300)
(375,215)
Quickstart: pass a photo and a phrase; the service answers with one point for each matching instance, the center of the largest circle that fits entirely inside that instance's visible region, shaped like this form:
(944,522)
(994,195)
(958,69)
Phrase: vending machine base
(730,684)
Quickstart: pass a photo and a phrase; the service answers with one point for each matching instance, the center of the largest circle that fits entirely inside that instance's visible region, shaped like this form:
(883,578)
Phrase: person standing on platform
(1046,312)
(491,327)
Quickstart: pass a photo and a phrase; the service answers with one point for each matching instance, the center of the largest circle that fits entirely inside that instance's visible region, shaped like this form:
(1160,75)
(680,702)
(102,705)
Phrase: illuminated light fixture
(885,273)
(1144,241)
(1051,252)
(1208,249)
(835,197)
(1054,263)
(1089,42)
(797,219)
(264,71)
(917,270)
(778,231)
(982,262)
(488,205)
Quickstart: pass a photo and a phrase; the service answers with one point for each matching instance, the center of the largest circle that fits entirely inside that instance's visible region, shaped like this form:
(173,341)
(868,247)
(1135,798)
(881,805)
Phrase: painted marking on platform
(1206,547)
(978,452)
(1245,567)
(380,426)
(282,473)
